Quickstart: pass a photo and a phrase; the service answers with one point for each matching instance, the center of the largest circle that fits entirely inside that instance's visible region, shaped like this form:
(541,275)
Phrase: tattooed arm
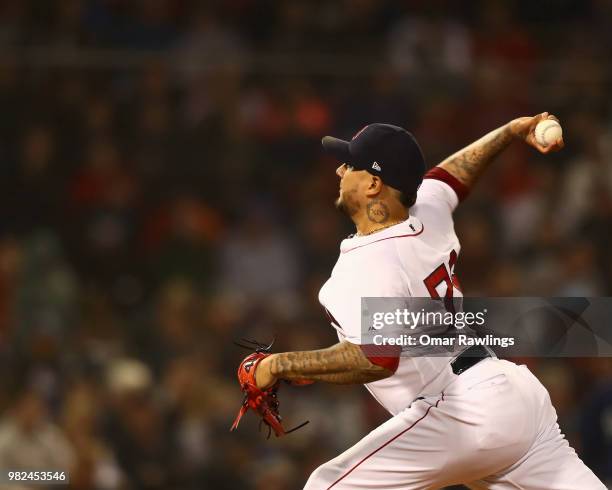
(469,163)
(342,363)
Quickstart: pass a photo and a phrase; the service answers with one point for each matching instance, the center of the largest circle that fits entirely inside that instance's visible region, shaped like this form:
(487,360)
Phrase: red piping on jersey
(382,239)
(442,175)
(386,443)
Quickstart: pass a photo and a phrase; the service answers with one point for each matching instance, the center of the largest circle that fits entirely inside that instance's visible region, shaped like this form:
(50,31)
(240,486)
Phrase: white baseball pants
(493,427)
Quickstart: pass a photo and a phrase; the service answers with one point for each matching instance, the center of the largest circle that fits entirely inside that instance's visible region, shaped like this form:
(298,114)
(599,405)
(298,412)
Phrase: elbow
(376,373)
(385,359)
(386,372)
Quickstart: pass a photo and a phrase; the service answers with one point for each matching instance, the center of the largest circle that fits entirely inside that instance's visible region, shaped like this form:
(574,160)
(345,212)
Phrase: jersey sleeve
(381,282)
(442,190)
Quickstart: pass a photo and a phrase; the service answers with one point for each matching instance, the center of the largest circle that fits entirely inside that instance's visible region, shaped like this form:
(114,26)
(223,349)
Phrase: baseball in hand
(547,132)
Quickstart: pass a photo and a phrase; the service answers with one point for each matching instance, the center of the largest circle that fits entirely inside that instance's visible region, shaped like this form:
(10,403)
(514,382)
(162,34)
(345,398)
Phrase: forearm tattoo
(378,212)
(349,378)
(343,363)
(468,164)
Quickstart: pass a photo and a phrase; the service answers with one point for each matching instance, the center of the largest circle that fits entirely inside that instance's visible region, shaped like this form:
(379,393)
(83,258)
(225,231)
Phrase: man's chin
(347,203)
(343,208)
(340,204)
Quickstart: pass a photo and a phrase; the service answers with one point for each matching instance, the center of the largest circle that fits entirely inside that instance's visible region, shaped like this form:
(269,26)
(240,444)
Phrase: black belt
(468,358)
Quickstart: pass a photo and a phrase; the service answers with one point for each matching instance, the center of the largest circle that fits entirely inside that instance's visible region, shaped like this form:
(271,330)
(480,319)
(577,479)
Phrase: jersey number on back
(442,274)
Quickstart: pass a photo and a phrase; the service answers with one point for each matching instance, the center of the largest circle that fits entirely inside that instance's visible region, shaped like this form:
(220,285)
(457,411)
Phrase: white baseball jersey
(491,427)
(411,259)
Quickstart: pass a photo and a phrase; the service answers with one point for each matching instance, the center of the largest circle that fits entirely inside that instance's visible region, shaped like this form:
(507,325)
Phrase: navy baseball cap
(384,150)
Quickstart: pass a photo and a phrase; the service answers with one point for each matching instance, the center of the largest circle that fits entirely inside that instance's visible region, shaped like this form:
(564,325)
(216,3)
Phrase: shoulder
(441,189)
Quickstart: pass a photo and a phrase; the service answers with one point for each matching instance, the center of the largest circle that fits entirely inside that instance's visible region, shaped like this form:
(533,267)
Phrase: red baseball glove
(264,402)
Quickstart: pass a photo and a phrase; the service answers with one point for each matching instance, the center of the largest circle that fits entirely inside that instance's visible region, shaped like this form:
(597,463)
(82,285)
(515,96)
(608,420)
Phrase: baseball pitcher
(470,419)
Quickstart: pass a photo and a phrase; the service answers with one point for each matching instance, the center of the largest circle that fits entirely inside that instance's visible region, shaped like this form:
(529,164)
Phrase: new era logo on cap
(375,166)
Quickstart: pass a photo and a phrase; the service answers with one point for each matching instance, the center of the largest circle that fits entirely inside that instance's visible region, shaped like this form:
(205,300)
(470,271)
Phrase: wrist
(264,377)
(519,128)
(271,366)
(510,130)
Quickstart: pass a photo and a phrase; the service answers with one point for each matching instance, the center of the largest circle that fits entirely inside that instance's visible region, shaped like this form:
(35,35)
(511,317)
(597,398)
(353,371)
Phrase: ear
(375,186)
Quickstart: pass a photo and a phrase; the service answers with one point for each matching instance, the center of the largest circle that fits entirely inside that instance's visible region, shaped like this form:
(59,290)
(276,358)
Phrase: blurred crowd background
(163,192)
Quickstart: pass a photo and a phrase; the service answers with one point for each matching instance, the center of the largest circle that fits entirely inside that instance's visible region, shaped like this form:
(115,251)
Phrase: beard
(347,203)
